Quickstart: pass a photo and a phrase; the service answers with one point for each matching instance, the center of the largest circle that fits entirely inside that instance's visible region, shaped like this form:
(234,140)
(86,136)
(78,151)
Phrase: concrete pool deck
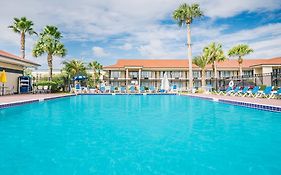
(24,98)
(261,101)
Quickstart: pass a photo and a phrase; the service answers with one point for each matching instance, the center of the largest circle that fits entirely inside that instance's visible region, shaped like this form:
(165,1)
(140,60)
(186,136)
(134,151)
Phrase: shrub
(51,84)
(262,87)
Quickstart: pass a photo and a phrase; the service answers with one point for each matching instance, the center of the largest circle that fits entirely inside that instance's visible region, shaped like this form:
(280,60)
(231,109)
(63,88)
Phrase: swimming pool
(94,134)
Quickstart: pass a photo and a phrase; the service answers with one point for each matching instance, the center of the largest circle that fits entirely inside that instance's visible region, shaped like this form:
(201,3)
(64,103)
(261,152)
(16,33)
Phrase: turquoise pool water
(138,135)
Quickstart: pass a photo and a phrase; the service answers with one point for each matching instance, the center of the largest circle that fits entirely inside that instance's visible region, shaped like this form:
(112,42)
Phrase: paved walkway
(263,101)
(27,97)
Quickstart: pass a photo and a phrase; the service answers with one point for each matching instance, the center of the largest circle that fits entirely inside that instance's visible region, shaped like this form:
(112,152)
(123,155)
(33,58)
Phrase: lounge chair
(142,90)
(224,92)
(152,89)
(232,92)
(77,88)
(254,92)
(243,92)
(267,92)
(174,89)
(276,94)
(112,89)
(102,89)
(123,89)
(132,89)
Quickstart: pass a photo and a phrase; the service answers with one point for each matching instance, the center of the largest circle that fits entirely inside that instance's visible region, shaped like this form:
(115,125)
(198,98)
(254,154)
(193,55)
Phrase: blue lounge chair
(152,89)
(243,92)
(132,89)
(254,91)
(78,88)
(123,89)
(267,92)
(232,92)
(226,91)
(162,91)
(102,89)
(142,90)
(112,89)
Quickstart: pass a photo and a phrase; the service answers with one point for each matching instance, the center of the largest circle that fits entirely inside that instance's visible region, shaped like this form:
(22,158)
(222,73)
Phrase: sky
(107,30)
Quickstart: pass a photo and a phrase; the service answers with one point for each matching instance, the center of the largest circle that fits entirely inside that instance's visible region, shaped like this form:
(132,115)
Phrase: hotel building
(14,67)
(150,72)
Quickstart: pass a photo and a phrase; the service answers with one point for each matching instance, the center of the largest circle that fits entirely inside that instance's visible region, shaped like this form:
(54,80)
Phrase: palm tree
(185,14)
(202,61)
(22,26)
(96,67)
(240,51)
(215,55)
(49,43)
(74,68)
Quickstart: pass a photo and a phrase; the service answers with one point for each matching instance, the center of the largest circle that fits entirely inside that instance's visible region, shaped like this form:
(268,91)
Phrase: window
(196,74)
(224,73)
(133,75)
(146,74)
(208,74)
(248,73)
(176,74)
(115,74)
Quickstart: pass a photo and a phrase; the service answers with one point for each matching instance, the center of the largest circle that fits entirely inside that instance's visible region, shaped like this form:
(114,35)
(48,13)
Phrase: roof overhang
(265,65)
(24,63)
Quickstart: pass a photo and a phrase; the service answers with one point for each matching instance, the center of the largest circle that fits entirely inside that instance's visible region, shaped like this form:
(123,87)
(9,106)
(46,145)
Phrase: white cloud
(99,52)
(134,25)
(126,46)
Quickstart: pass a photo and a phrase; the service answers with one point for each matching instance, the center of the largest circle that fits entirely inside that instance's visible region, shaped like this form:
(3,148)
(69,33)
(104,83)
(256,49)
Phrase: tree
(96,67)
(74,68)
(185,14)
(49,43)
(202,61)
(215,54)
(240,51)
(22,26)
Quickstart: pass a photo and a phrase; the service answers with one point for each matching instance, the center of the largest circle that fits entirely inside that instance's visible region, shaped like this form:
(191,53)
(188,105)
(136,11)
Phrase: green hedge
(54,85)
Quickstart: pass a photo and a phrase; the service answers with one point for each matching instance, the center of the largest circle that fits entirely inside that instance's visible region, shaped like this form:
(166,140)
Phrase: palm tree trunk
(50,64)
(189,57)
(23,45)
(240,61)
(203,78)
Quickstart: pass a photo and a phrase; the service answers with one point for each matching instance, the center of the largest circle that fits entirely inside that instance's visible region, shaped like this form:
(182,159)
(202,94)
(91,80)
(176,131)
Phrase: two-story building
(150,72)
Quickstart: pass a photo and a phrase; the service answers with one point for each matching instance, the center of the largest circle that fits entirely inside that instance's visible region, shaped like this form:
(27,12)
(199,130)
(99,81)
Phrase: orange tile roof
(11,56)
(183,63)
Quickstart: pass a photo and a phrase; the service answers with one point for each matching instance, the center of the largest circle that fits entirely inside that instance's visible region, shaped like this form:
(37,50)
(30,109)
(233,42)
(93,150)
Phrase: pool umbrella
(80,77)
(3,80)
(165,83)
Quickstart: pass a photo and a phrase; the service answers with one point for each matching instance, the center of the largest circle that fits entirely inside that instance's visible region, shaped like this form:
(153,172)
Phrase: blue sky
(112,29)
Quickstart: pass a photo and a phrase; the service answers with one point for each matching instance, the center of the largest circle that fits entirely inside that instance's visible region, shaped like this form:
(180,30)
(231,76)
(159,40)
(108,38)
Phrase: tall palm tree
(22,26)
(185,14)
(74,68)
(202,61)
(240,51)
(49,43)
(215,55)
(96,67)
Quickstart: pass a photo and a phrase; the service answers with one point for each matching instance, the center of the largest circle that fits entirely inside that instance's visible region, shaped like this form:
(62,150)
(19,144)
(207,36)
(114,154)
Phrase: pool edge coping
(264,107)
(22,102)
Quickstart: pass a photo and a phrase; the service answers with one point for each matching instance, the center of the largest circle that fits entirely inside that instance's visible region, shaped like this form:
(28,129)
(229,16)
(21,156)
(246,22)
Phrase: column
(127,76)
(139,79)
